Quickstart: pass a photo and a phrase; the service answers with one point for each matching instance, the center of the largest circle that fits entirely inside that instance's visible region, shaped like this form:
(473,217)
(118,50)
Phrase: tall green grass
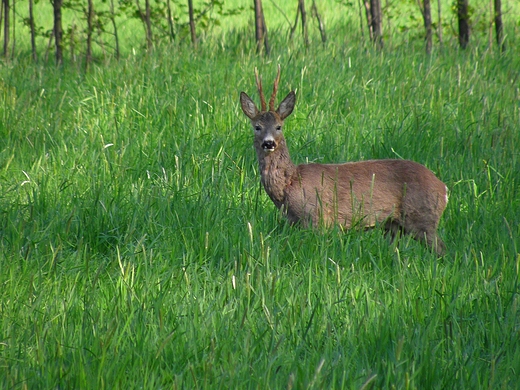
(137,249)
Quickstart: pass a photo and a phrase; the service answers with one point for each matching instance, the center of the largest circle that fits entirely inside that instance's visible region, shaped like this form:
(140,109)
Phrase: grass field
(137,249)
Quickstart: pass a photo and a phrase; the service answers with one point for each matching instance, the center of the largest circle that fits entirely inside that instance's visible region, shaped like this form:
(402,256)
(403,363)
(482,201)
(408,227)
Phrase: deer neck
(276,169)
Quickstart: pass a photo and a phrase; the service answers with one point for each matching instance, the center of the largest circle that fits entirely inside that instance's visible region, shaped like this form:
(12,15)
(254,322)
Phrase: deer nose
(269,145)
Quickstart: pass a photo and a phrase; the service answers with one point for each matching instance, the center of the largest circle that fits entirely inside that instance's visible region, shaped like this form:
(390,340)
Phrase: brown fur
(397,194)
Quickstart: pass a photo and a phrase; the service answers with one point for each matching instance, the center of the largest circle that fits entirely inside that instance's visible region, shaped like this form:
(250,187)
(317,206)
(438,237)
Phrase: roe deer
(396,194)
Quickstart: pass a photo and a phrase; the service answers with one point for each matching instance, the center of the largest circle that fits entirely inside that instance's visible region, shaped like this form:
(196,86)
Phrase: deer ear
(248,106)
(287,105)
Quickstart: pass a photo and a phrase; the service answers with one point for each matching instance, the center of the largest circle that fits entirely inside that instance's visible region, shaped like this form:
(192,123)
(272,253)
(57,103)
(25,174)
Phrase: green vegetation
(137,249)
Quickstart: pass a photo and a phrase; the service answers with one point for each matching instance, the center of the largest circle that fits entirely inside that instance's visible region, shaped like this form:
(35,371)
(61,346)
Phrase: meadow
(138,250)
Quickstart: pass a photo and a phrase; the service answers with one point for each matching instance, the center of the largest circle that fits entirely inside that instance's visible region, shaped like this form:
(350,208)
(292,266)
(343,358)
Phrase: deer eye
(258,128)
(278,128)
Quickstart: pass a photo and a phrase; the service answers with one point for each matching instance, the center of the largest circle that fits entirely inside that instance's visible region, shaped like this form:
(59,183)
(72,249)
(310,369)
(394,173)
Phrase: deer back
(364,193)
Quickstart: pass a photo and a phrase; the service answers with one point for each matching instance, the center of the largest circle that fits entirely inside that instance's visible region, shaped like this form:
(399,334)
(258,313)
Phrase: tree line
(98,23)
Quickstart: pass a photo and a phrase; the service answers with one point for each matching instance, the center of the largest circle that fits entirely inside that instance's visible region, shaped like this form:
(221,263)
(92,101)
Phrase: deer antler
(275,90)
(260,91)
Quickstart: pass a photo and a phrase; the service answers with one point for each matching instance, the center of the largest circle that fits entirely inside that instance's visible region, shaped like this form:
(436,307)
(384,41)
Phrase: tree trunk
(303,13)
(321,26)
(6,9)
(49,45)
(90,20)
(377,22)
(499,28)
(148,21)
(72,42)
(293,28)
(1,13)
(266,41)
(13,46)
(361,20)
(261,28)
(58,31)
(192,23)
(427,17)
(33,31)
(439,22)
(145,18)
(368,11)
(463,17)
(170,20)
(300,12)
(114,26)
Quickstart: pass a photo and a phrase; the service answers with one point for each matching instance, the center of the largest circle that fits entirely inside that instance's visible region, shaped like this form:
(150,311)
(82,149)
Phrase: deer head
(267,124)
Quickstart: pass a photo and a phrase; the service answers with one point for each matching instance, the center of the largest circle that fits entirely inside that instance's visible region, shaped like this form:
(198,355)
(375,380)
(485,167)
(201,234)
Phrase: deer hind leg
(427,236)
(431,240)
(392,229)
(424,229)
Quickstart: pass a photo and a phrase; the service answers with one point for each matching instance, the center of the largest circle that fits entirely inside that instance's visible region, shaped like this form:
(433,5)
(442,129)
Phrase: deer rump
(393,193)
